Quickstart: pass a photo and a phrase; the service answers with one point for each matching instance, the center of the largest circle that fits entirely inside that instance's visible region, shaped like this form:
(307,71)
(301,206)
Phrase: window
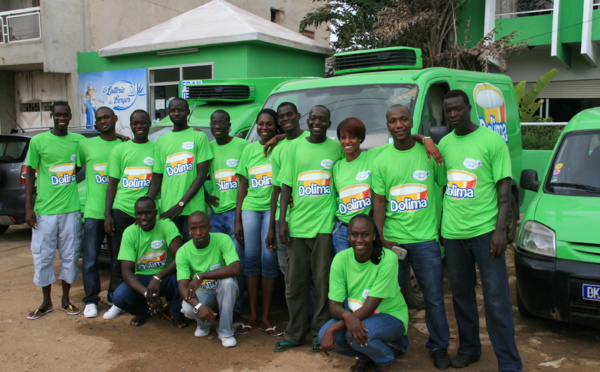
(563,109)
(164,84)
(277,16)
(433,108)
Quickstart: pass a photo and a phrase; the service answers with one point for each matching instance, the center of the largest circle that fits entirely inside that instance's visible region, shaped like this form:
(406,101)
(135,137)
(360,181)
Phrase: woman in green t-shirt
(252,216)
(372,326)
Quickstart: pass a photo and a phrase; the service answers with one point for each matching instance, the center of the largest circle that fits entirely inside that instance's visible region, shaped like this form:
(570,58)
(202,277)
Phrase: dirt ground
(58,342)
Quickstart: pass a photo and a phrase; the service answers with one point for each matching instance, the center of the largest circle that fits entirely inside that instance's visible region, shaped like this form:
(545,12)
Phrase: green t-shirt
(131,163)
(177,156)
(93,153)
(474,164)
(276,161)
(223,172)
(357,281)
(220,252)
(149,250)
(308,173)
(352,184)
(257,169)
(407,180)
(55,157)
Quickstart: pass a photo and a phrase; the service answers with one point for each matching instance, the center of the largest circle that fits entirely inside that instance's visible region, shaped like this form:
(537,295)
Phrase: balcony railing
(20,25)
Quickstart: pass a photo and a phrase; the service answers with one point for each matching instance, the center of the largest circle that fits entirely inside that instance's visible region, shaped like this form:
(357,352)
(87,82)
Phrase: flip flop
(242,329)
(273,331)
(180,322)
(71,310)
(138,320)
(283,346)
(38,313)
(316,347)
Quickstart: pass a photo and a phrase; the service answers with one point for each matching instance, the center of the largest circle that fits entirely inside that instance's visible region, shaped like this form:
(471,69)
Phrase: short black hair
(185,102)
(145,199)
(323,107)
(139,111)
(282,104)
(221,112)
(458,93)
(112,112)
(60,103)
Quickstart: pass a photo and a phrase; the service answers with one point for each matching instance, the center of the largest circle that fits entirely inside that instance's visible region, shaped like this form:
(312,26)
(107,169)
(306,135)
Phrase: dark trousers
(122,221)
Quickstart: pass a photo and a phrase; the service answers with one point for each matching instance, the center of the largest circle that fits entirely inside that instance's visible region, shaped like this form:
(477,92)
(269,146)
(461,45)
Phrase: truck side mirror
(529,180)
(437,133)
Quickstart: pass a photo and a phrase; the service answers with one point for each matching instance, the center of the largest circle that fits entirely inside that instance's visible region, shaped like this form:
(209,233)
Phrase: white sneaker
(90,311)
(201,332)
(228,341)
(112,313)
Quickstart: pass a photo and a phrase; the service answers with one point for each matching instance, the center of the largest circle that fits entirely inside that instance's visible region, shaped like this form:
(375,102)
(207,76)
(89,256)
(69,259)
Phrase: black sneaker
(441,359)
(463,360)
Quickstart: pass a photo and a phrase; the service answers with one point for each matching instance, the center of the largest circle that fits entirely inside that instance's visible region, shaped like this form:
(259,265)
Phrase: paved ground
(59,342)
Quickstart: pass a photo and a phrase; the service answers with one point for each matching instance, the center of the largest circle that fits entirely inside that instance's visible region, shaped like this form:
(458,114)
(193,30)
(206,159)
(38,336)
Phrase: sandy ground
(59,342)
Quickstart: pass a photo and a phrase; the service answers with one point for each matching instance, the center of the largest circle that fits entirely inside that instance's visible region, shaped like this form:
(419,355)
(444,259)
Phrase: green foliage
(528,102)
(540,137)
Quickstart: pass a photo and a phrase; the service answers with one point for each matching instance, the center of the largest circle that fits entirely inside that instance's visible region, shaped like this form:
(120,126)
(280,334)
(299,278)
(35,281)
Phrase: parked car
(557,257)
(13,151)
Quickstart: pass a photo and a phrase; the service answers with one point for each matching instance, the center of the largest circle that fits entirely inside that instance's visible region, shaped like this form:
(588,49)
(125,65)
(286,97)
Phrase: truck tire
(512,220)
(413,295)
(3,229)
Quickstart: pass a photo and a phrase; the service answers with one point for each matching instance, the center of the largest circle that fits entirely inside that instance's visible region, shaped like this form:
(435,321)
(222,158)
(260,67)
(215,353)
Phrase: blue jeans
(93,234)
(461,256)
(135,303)
(225,223)
(386,338)
(340,237)
(221,300)
(182,225)
(256,228)
(122,221)
(426,261)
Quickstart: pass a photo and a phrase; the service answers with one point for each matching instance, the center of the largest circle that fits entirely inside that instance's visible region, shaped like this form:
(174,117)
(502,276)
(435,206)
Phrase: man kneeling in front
(206,269)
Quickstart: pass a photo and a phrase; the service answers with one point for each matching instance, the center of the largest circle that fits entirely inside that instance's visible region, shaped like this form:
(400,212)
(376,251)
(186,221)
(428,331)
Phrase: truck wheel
(3,229)
(513,218)
(413,295)
(522,310)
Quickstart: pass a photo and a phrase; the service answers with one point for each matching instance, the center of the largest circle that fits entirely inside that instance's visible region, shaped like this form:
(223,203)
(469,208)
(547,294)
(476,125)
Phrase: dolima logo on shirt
(179,163)
(136,177)
(261,176)
(62,174)
(99,170)
(354,198)
(314,183)
(461,184)
(152,260)
(408,198)
(226,180)
(355,304)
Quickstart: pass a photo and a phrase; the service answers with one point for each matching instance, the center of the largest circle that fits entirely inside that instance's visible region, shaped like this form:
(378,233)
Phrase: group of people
(303,209)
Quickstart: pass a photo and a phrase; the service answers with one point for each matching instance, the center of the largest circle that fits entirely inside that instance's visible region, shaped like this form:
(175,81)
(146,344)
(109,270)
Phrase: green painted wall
(233,60)
(471,16)
(538,160)
(537,30)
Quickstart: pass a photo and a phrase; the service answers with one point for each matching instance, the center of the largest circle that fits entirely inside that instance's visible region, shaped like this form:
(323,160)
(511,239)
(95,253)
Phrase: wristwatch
(181,204)
(424,138)
(197,307)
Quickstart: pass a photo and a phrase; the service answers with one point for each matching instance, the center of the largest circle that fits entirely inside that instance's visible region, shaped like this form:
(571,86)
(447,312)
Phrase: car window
(12,149)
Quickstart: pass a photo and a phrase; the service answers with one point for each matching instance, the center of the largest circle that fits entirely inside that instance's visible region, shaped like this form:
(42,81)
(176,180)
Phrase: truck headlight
(537,238)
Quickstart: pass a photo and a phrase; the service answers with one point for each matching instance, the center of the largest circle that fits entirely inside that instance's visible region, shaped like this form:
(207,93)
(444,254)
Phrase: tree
(430,25)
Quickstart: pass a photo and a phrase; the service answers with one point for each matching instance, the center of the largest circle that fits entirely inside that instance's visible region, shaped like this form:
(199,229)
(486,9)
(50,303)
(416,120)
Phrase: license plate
(591,292)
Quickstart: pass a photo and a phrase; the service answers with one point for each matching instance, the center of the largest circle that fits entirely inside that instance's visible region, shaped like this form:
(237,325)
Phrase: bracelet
(157,278)
(146,294)
(424,138)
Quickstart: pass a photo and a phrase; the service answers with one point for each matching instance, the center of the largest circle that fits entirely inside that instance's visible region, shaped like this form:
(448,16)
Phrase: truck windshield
(575,169)
(367,102)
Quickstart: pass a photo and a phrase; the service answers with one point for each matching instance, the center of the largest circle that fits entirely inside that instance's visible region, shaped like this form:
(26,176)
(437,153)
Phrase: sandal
(359,366)
(316,347)
(38,313)
(273,331)
(283,346)
(138,320)
(179,323)
(242,329)
(71,309)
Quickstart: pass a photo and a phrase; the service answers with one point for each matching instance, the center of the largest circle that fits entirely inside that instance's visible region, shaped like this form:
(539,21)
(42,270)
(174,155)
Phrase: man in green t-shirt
(476,203)
(289,119)
(93,154)
(206,270)
(227,152)
(147,258)
(129,169)
(56,219)
(182,157)
(307,179)
(405,214)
